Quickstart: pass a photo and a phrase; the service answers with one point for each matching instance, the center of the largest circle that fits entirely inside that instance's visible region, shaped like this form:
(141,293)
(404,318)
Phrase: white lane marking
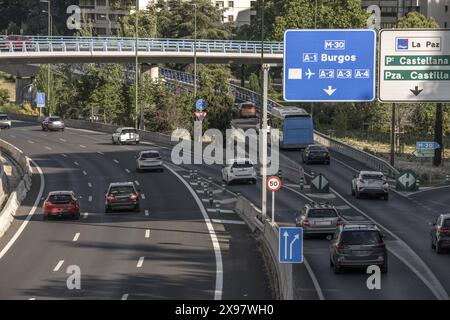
(146,213)
(125,297)
(127,171)
(89,185)
(212,234)
(31,142)
(48,148)
(85,173)
(32,299)
(43,134)
(228,221)
(64,155)
(90,199)
(76,163)
(116,161)
(58,266)
(101,153)
(212,210)
(147,234)
(314,279)
(85,215)
(137,183)
(63,140)
(82,146)
(140,262)
(326,196)
(143,196)
(30,214)
(75,238)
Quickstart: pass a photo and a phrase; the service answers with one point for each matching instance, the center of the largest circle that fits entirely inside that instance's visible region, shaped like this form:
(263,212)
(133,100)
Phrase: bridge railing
(113,44)
(243,94)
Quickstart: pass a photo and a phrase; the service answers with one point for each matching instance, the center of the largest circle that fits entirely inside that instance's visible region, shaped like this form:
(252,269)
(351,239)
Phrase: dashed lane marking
(75,238)
(58,266)
(140,262)
(228,221)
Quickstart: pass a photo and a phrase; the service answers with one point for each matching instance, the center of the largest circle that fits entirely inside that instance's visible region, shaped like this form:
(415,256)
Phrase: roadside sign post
(273,184)
(329,65)
(290,245)
(40,97)
(414,65)
(426,150)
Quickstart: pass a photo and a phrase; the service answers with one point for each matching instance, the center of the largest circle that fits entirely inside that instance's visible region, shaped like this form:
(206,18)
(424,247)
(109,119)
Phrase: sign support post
(273,184)
(266,68)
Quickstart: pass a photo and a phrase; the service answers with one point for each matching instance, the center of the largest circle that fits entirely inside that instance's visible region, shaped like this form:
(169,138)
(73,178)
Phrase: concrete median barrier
(16,197)
(281,274)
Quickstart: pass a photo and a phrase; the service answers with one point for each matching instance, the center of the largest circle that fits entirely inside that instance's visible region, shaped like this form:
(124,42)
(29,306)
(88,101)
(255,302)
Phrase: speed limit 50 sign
(273,183)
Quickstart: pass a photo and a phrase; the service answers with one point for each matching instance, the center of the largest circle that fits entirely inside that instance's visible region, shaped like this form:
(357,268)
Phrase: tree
(4,96)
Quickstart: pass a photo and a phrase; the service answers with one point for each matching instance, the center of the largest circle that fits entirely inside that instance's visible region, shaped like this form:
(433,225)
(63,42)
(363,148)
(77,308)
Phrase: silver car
(4,121)
(370,183)
(149,160)
(125,135)
(317,218)
(53,123)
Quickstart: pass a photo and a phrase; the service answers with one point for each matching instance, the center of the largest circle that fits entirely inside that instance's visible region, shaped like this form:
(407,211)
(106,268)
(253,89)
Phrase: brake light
(339,246)
(109,197)
(48,205)
(444,230)
(339,222)
(133,196)
(306,223)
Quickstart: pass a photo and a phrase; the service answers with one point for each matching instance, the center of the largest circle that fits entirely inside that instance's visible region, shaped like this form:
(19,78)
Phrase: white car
(4,121)
(125,135)
(149,160)
(239,170)
(370,183)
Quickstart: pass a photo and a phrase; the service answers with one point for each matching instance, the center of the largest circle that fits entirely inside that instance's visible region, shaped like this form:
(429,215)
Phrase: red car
(61,204)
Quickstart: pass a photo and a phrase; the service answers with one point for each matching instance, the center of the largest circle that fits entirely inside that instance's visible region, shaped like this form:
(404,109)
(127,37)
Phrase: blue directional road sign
(291,245)
(200,104)
(427,145)
(329,65)
(40,99)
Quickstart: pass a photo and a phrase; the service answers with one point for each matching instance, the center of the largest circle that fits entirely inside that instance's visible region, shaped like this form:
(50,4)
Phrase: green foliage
(254,83)
(4,96)
(9,108)
(416,20)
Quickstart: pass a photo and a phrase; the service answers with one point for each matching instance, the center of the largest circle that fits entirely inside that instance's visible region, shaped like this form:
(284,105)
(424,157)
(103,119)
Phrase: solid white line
(147,234)
(124,297)
(89,185)
(143,196)
(146,213)
(314,279)
(116,161)
(90,199)
(140,262)
(212,234)
(75,238)
(58,266)
(63,140)
(30,214)
(81,146)
(85,173)
(228,221)
(137,183)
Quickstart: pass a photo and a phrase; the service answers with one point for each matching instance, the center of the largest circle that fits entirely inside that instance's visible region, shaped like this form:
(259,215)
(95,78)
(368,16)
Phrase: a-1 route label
(329,65)
(414,65)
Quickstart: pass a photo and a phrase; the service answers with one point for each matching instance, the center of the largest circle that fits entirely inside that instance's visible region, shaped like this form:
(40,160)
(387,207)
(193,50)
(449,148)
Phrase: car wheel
(433,246)
(331,263)
(137,142)
(137,208)
(138,170)
(438,248)
(44,217)
(62,129)
(161,170)
(107,209)
(337,270)
(76,216)
(353,191)
(358,195)
(386,197)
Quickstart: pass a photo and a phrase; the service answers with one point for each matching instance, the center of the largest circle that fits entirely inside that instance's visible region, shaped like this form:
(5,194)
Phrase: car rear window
(3,117)
(360,237)
(60,198)
(322,213)
(246,165)
(55,119)
(121,190)
(446,223)
(150,155)
(372,177)
(129,131)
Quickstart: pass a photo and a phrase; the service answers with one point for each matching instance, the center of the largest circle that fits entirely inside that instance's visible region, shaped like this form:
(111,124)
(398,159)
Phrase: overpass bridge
(46,50)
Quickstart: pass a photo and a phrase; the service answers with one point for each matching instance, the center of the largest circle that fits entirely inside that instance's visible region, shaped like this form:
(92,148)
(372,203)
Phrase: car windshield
(118,190)
(129,131)
(360,237)
(372,177)
(60,198)
(246,165)
(54,119)
(3,117)
(317,149)
(150,155)
(322,213)
(446,223)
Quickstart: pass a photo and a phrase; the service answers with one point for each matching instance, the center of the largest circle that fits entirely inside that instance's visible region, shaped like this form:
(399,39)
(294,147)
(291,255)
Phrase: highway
(170,250)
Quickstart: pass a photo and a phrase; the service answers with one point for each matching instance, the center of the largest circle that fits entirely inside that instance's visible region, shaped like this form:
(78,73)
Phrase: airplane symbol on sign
(309,73)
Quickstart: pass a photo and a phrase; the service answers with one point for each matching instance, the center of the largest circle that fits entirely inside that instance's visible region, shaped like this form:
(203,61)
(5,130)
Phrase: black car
(358,246)
(316,154)
(440,233)
(122,196)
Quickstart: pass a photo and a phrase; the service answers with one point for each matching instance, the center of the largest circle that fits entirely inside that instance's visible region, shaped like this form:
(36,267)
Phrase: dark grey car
(122,196)
(440,233)
(358,246)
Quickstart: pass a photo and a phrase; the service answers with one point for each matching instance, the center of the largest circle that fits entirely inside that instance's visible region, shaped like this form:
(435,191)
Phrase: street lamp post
(195,51)
(136,80)
(50,32)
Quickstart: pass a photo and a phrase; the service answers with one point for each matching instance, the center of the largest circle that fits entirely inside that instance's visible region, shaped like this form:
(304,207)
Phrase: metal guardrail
(243,94)
(113,44)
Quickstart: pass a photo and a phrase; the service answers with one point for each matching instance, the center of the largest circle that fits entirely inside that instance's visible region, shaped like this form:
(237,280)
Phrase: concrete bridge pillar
(151,70)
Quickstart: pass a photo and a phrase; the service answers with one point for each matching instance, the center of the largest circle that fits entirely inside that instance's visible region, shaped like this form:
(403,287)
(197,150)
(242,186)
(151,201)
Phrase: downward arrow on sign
(416,91)
(330,90)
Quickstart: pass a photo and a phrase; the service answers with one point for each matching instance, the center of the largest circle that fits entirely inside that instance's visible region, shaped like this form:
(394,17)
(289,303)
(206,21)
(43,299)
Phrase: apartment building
(392,10)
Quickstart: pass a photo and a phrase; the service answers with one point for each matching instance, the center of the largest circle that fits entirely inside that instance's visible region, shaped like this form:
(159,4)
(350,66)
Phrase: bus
(295,125)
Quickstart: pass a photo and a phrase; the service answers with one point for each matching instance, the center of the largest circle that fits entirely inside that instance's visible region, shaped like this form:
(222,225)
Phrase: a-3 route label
(414,65)
(329,65)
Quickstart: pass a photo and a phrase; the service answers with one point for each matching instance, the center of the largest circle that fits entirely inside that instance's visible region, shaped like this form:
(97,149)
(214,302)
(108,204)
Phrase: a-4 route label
(414,65)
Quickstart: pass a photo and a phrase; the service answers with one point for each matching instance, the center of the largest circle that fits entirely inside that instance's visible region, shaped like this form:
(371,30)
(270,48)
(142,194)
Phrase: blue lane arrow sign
(291,245)
(427,145)
(329,65)
(200,105)
(40,97)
